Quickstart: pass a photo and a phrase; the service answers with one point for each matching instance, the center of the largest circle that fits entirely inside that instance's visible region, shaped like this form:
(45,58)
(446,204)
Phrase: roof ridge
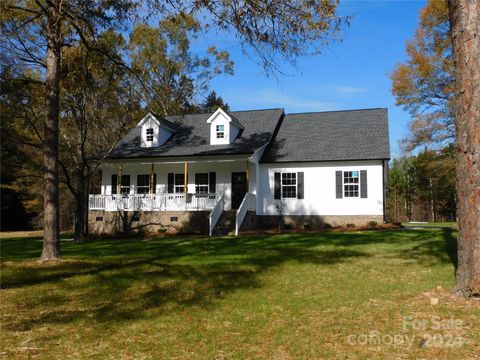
(230,111)
(258,110)
(335,111)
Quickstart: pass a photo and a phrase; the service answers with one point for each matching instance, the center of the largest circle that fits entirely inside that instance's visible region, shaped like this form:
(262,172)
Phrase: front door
(239,188)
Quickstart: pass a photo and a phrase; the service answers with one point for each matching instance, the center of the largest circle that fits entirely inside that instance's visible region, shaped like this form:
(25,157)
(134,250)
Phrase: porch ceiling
(188,160)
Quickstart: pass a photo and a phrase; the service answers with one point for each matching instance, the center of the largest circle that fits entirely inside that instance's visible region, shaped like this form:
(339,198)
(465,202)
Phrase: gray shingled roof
(192,137)
(328,136)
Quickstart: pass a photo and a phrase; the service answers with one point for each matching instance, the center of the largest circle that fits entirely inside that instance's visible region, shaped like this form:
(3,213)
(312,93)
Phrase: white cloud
(276,98)
(347,89)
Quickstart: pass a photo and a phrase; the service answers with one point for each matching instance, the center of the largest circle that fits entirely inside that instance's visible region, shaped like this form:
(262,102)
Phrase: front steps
(226,224)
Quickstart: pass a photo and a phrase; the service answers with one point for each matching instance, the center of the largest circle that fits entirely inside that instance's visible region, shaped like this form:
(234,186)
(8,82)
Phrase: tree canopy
(424,84)
(39,36)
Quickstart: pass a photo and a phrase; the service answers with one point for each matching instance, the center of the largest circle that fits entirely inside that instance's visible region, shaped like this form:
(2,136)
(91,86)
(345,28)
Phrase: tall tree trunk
(51,216)
(80,196)
(86,203)
(465,25)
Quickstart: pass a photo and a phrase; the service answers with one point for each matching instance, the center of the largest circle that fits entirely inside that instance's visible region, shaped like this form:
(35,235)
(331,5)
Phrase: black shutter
(300,186)
(154,187)
(170,183)
(363,184)
(339,184)
(212,182)
(277,194)
(114,184)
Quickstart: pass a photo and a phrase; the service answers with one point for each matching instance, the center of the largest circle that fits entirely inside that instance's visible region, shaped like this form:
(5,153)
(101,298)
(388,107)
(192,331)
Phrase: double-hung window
(124,186)
(220,130)
(150,134)
(201,183)
(143,184)
(289,185)
(179,183)
(351,182)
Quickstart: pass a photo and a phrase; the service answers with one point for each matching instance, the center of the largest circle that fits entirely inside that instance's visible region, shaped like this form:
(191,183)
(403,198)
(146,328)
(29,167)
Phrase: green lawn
(449,224)
(259,297)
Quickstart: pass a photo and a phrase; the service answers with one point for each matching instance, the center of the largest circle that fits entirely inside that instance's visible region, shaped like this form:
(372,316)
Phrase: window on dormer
(150,134)
(220,131)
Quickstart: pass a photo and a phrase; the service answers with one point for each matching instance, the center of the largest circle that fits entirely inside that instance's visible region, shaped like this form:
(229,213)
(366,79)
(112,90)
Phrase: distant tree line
(422,187)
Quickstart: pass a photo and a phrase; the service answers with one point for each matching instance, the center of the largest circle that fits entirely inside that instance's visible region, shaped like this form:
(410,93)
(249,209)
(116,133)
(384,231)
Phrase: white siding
(319,189)
(160,133)
(231,130)
(219,119)
(153,124)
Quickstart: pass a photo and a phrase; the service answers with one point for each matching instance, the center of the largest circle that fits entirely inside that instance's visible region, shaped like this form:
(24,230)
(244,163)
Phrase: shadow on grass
(117,280)
(432,250)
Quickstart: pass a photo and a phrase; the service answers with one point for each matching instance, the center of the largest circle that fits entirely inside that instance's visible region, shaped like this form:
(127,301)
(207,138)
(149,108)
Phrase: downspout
(247,171)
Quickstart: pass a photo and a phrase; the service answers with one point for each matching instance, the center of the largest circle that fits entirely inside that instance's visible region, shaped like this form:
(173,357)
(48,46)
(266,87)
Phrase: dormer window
(220,131)
(149,134)
(154,132)
(224,128)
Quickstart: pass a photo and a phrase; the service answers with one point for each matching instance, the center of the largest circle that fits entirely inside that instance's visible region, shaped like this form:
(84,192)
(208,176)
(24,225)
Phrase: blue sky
(349,74)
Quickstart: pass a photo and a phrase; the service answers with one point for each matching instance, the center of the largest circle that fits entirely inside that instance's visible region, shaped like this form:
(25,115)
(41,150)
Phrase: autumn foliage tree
(424,84)
(168,75)
(35,34)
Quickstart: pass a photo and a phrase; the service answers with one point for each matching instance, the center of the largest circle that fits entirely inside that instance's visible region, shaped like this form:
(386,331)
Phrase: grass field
(442,224)
(355,295)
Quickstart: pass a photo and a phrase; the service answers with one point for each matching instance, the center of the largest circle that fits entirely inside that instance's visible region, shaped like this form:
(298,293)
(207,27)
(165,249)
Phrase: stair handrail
(216,213)
(248,203)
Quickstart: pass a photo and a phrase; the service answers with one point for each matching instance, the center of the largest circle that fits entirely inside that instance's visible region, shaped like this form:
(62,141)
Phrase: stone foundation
(250,222)
(307,222)
(196,222)
(153,222)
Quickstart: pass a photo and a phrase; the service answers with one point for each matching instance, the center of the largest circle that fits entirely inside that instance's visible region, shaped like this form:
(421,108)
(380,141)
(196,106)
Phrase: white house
(229,171)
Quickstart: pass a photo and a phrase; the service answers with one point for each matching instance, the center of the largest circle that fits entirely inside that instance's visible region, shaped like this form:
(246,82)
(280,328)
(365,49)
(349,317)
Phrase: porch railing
(248,203)
(154,202)
(216,214)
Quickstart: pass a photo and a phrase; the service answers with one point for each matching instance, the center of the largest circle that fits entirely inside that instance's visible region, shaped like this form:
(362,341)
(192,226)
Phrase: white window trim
(218,132)
(149,136)
(281,185)
(350,183)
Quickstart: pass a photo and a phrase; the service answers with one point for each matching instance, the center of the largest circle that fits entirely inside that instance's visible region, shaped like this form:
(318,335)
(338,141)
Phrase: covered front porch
(157,185)
(171,185)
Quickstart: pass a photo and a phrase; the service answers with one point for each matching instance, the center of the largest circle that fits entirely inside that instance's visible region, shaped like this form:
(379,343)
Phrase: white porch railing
(154,202)
(248,203)
(216,214)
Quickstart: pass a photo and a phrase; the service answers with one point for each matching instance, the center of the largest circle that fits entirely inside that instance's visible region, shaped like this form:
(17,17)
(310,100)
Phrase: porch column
(247,171)
(119,180)
(185,178)
(152,178)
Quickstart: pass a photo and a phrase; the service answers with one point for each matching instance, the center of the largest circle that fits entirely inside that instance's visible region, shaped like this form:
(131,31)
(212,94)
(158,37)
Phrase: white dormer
(224,129)
(154,133)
